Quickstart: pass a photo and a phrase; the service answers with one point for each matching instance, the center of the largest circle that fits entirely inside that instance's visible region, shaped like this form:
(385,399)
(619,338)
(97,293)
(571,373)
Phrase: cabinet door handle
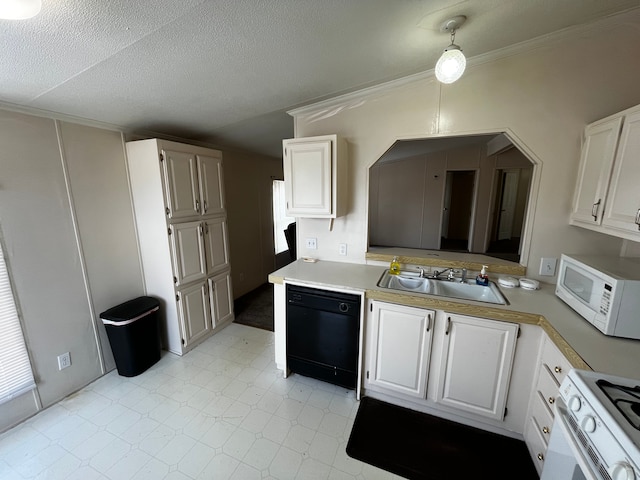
(428,322)
(198,205)
(206,207)
(557,369)
(545,430)
(552,400)
(594,209)
(201,230)
(540,457)
(446,332)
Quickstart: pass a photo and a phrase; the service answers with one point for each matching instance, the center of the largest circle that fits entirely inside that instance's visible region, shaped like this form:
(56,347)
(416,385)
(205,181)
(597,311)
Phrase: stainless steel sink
(412,282)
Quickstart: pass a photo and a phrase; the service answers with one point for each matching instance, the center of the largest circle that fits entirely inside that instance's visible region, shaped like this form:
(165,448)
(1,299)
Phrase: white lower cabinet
(477,357)
(220,298)
(194,311)
(474,358)
(552,367)
(401,348)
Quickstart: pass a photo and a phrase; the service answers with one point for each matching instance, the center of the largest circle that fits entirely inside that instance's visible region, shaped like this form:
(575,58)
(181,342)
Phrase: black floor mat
(420,446)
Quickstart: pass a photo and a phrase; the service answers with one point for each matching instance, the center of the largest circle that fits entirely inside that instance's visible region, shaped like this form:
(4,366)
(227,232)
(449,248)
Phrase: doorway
(457,210)
(512,185)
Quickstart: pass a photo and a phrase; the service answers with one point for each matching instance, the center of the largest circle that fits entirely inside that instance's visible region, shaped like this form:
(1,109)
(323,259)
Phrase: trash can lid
(131,309)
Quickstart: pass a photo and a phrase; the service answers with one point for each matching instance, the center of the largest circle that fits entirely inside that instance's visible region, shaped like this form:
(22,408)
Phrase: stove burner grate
(625,399)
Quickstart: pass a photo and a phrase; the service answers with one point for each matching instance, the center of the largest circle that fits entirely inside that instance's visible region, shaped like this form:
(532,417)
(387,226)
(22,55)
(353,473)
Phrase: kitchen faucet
(437,274)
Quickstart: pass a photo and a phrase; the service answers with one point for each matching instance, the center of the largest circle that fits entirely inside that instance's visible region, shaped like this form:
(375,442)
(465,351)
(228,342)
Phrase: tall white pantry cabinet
(178,198)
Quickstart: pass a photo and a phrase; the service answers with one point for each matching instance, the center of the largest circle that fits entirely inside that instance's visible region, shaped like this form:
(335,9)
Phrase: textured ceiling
(226,71)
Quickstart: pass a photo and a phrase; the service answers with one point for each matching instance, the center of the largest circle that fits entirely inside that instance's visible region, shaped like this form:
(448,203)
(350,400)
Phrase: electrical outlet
(343,249)
(64,360)
(548,267)
(312,243)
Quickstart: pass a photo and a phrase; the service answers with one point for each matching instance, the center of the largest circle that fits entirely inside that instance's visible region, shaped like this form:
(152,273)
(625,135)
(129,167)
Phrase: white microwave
(603,290)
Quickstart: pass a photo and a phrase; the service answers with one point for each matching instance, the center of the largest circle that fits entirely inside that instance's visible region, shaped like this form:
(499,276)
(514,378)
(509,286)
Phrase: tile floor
(223,411)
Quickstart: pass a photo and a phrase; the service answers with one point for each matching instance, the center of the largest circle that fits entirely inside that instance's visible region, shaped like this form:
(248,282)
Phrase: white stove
(596,432)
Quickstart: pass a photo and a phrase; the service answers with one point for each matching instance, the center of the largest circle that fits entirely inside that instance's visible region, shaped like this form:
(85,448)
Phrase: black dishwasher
(323,334)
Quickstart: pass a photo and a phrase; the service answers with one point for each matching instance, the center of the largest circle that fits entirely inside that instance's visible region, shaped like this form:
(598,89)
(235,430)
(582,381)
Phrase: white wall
(66,218)
(543,96)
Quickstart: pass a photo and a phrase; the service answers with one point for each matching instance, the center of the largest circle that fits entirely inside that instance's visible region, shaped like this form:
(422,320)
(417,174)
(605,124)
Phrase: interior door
(510,180)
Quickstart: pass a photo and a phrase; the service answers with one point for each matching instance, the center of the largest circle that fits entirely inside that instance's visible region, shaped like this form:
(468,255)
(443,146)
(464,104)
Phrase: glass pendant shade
(19,9)
(451,64)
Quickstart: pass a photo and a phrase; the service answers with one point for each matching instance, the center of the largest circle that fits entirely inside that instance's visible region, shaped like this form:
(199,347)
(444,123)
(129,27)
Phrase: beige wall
(248,188)
(67,223)
(542,97)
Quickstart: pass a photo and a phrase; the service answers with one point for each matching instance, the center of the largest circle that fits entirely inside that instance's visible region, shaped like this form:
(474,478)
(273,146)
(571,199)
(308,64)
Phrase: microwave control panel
(605,302)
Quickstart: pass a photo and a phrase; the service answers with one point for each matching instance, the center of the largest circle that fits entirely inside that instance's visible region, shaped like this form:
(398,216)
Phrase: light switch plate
(548,266)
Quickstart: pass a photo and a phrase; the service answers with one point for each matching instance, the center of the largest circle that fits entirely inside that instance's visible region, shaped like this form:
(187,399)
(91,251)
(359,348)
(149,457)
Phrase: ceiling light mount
(452,63)
(452,24)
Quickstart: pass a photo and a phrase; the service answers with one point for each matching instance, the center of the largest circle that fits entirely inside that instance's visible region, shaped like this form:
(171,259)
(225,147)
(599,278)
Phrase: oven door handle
(561,421)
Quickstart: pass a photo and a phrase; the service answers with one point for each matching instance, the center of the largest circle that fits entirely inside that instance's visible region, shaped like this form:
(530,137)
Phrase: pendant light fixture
(19,9)
(452,63)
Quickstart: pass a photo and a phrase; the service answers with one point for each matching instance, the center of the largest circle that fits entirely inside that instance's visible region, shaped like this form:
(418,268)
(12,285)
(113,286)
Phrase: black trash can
(134,334)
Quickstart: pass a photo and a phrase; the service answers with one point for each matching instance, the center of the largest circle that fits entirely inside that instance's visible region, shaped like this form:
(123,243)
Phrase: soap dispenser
(483,278)
(394,268)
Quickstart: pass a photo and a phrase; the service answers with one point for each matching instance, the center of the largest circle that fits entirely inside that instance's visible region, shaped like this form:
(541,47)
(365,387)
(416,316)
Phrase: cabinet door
(195,319)
(476,362)
(221,298)
(598,152)
(211,184)
(216,244)
(187,242)
(181,181)
(308,178)
(623,203)
(401,348)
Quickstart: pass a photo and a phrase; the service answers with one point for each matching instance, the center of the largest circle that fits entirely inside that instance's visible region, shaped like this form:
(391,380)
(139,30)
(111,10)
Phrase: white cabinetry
(401,348)
(477,357)
(180,214)
(551,370)
(315,175)
(606,197)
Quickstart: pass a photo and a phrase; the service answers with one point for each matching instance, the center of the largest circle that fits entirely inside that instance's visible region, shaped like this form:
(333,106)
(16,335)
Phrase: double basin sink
(468,290)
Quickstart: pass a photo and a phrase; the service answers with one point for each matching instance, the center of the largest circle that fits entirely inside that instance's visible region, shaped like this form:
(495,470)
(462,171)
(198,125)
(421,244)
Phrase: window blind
(16,376)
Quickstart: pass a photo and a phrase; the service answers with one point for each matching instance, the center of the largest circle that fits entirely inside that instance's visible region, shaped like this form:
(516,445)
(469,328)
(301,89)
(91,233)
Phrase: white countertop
(569,331)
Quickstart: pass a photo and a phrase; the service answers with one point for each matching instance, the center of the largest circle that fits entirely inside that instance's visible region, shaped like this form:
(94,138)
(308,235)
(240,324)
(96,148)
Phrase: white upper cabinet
(607,197)
(211,185)
(181,180)
(315,175)
(477,358)
(598,152)
(193,184)
(623,204)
